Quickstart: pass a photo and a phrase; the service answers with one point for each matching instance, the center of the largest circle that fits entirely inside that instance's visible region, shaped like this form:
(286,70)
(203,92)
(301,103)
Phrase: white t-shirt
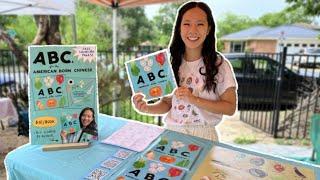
(183,113)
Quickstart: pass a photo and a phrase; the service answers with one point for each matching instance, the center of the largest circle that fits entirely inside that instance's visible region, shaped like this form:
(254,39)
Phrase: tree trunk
(15,49)
(48,30)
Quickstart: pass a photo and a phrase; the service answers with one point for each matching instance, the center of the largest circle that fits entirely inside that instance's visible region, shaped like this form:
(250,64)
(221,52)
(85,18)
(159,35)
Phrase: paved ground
(232,127)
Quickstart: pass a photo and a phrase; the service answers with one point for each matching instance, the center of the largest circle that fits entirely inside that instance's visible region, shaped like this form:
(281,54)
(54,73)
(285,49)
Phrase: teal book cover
(174,150)
(151,75)
(63,94)
(147,169)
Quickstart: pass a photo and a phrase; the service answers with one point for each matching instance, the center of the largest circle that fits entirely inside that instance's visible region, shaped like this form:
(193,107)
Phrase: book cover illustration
(62,93)
(179,152)
(147,169)
(151,75)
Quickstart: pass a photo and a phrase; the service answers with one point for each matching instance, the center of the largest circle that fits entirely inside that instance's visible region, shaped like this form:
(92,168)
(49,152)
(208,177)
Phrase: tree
(310,7)
(163,23)
(48,29)
(286,16)
(136,25)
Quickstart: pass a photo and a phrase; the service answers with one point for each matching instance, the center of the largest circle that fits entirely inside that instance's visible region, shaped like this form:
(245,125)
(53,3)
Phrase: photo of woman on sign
(88,128)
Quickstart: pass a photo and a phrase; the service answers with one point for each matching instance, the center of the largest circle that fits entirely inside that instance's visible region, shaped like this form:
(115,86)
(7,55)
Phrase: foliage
(137,27)
(287,16)
(310,7)
(245,139)
(163,24)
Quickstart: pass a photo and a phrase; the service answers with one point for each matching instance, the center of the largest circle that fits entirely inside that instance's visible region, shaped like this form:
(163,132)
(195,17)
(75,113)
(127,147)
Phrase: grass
(287,141)
(245,139)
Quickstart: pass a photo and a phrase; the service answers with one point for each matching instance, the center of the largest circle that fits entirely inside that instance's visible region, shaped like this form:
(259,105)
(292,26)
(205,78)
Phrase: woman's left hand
(184,93)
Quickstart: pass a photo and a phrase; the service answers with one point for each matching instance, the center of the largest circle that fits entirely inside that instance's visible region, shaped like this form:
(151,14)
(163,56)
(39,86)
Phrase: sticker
(257,173)
(110,163)
(278,167)
(97,174)
(122,154)
(296,170)
(257,161)
(156,167)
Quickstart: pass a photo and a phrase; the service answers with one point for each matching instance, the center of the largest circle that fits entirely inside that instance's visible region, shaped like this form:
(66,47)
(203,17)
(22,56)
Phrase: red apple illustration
(193,147)
(173,172)
(60,78)
(160,58)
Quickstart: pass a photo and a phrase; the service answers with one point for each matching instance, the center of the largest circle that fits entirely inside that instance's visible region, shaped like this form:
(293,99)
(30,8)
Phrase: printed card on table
(148,169)
(62,90)
(175,151)
(151,75)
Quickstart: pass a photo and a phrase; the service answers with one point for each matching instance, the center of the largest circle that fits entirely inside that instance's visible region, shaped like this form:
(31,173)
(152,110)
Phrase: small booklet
(151,75)
(175,151)
(148,169)
(130,137)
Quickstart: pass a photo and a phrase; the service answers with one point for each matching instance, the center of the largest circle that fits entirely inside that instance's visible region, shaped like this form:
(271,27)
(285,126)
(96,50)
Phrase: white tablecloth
(8,112)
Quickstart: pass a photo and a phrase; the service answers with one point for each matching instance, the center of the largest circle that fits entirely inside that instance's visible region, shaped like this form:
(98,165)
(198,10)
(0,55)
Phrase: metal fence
(278,93)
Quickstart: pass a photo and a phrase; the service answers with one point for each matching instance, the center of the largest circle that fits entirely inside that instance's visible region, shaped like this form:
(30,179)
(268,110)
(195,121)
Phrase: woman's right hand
(139,103)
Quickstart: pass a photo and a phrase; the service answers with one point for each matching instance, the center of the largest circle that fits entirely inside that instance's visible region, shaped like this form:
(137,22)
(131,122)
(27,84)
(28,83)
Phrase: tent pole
(114,57)
(74,29)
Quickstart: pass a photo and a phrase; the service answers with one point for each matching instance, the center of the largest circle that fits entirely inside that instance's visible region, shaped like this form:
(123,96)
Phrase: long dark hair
(209,52)
(92,127)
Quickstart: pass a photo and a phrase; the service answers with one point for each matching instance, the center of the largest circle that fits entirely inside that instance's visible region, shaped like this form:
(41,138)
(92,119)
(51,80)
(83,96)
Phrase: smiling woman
(207,86)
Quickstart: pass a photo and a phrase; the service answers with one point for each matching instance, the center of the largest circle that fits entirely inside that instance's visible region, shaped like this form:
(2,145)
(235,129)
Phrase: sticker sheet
(223,163)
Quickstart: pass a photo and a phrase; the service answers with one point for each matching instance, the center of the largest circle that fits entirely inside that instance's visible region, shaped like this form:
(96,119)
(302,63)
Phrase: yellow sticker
(45,122)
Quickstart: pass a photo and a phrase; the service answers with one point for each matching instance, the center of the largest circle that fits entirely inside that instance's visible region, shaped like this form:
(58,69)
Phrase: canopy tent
(40,7)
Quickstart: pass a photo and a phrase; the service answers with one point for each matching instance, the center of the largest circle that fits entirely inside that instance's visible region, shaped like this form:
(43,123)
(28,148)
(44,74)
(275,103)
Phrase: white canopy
(37,7)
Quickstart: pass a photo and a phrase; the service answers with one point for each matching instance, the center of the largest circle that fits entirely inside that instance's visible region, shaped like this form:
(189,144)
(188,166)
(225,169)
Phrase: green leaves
(134,69)
(169,88)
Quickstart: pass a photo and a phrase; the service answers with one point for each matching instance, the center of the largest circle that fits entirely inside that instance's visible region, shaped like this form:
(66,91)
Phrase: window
(311,45)
(237,46)
(318,45)
(296,45)
(289,45)
(304,45)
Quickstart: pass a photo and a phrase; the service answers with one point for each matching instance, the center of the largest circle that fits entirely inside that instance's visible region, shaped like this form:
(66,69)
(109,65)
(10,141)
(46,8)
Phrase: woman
(207,85)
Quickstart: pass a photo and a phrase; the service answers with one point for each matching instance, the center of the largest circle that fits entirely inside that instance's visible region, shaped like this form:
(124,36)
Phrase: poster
(63,104)
(151,75)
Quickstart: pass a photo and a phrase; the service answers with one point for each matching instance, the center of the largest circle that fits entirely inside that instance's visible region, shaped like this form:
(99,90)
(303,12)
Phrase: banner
(63,103)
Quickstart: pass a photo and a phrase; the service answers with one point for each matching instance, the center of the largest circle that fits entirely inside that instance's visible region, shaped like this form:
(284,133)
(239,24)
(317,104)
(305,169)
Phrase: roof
(261,32)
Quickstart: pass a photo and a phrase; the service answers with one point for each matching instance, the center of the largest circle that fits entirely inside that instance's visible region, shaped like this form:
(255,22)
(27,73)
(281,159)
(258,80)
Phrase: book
(62,90)
(151,75)
(175,151)
(143,168)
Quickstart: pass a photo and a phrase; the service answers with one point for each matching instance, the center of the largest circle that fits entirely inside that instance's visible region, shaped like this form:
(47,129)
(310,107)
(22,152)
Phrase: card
(122,154)
(110,163)
(96,174)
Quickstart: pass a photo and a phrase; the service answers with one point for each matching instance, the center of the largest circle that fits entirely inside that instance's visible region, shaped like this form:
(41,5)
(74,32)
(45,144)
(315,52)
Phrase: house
(296,37)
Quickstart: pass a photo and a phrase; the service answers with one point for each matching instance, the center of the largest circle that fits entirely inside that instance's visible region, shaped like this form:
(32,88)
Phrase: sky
(251,8)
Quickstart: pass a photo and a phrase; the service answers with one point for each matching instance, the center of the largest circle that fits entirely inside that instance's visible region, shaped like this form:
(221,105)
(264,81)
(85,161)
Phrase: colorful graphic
(151,75)
(147,169)
(176,152)
(63,82)
(231,164)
